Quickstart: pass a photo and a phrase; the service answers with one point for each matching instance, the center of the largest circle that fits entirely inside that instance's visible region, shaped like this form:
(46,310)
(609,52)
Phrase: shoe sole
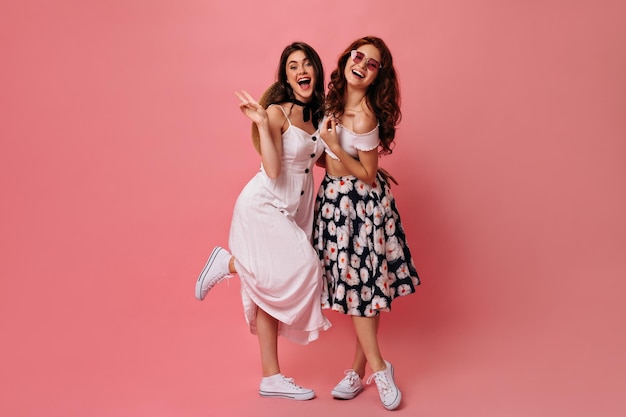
(342,395)
(299,397)
(205,270)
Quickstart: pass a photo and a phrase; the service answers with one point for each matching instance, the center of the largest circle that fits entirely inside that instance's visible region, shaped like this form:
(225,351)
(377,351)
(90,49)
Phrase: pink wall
(123,151)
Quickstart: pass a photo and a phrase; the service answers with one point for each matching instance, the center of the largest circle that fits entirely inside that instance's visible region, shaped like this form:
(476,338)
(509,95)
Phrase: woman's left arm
(364,168)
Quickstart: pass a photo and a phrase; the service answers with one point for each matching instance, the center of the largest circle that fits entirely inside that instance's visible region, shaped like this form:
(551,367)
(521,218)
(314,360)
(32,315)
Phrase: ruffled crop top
(353,142)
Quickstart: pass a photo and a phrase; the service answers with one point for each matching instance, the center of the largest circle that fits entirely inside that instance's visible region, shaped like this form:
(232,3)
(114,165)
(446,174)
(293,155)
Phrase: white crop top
(353,142)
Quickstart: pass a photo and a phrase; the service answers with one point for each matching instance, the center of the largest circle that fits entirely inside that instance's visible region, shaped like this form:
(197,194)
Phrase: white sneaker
(213,272)
(389,393)
(282,387)
(349,387)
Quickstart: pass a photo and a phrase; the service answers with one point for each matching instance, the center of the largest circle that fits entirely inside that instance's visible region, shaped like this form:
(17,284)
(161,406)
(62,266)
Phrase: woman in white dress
(270,234)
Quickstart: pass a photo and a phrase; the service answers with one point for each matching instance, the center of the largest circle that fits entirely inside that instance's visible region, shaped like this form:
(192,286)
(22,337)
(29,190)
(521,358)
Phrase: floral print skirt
(361,243)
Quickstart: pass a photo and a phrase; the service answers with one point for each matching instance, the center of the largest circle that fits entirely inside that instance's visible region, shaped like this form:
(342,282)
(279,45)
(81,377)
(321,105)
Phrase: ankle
(230,265)
(272,377)
(378,367)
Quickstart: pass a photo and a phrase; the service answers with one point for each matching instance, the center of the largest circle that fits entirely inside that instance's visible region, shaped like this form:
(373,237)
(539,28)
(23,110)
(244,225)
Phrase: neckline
(358,134)
(300,129)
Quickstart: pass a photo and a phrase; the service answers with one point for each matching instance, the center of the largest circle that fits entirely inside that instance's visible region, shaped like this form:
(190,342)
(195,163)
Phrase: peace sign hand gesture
(251,108)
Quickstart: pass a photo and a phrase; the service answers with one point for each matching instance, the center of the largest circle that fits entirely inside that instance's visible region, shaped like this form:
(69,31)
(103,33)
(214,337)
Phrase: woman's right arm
(269,122)
(272,142)
(366,165)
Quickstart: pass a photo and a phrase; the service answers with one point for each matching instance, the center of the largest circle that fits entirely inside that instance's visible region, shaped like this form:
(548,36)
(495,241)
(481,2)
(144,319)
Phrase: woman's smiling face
(301,76)
(359,74)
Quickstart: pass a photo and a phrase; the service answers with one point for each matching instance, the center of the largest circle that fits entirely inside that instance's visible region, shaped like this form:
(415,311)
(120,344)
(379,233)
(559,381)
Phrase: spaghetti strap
(284,112)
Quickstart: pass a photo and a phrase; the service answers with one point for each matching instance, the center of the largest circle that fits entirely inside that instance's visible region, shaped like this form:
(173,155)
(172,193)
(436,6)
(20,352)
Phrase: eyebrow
(296,62)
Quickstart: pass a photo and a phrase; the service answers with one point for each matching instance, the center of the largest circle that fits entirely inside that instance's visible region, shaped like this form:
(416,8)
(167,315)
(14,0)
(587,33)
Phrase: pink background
(123,151)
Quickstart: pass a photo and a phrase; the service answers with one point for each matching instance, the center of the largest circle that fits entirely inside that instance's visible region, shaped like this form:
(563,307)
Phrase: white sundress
(270,238)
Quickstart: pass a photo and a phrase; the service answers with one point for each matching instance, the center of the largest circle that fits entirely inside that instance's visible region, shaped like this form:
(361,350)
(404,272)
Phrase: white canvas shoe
(349,387)
(282,387)
(389,393)
(213,272)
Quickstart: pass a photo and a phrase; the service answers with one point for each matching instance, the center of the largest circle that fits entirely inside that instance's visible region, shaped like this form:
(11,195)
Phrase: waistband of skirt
(379,177)
(341,177)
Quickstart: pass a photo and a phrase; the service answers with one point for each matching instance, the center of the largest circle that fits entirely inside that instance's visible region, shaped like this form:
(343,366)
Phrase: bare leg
(367,344)
(231,265)
(366,330)
(359,361)
(267,333)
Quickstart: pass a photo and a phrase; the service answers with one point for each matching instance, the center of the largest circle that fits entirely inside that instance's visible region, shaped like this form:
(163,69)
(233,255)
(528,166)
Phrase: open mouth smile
(304,82)
(358,73)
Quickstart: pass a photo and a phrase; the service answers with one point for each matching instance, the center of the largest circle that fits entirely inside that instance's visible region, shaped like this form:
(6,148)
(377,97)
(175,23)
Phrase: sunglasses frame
(354,55)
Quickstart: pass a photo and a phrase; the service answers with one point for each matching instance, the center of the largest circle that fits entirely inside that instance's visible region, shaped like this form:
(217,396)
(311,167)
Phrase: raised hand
(251,108)
(329,131)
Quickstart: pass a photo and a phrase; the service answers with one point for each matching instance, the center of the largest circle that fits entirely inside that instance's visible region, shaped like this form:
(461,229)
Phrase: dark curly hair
(383,95)
(280,91)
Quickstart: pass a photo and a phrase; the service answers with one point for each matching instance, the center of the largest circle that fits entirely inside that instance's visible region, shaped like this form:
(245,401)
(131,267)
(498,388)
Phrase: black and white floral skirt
(360,240)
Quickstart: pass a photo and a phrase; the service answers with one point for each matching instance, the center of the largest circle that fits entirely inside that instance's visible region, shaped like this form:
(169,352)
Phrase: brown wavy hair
(280,91)
(383,95)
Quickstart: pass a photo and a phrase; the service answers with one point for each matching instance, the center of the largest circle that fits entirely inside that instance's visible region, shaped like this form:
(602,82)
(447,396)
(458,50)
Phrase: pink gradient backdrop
(123,152)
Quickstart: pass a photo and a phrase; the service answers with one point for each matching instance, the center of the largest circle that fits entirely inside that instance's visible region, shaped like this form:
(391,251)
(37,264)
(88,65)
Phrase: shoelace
(381,382)
(220,278)
(351,377)
(290,382)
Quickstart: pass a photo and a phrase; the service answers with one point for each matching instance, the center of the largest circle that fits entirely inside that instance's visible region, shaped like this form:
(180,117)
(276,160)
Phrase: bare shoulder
(364,121)
(276,116)
(274,112)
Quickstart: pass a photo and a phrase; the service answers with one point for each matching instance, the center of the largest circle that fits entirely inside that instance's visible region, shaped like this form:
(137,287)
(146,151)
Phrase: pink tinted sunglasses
(370,63)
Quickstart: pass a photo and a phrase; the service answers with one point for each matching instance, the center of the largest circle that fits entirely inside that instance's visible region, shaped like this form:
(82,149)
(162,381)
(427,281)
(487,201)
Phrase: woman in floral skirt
(357,230)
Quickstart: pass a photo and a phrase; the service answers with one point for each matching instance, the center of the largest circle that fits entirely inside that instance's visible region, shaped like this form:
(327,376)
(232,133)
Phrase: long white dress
(270,238)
